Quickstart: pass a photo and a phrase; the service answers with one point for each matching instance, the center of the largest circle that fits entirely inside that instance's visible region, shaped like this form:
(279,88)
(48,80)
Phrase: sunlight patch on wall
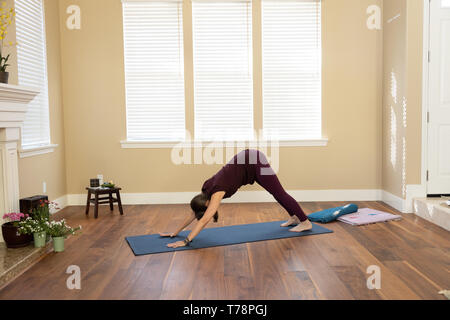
(393,138)
(404,113)
(404,167)
(394,86)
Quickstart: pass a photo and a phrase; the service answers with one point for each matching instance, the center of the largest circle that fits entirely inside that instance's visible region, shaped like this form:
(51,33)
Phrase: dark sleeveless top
(232,176)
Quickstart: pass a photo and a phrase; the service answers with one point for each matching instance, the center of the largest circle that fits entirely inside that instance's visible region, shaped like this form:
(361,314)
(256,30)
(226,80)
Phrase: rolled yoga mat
(332,214)
(223,236)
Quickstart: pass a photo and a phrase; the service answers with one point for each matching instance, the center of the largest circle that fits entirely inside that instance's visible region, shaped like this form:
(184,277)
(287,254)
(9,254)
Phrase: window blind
(32,70)
(154,70)
(223,70)
(291,53)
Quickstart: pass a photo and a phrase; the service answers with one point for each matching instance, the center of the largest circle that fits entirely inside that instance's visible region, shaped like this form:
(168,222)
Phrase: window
(291,53)
(32,71)
(154,70)
(221,66)
(223,70)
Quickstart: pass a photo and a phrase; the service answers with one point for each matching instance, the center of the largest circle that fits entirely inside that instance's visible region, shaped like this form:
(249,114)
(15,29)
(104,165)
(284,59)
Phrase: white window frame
(291,70)
(223,70)
(47,147)
(126,144)
(130,66)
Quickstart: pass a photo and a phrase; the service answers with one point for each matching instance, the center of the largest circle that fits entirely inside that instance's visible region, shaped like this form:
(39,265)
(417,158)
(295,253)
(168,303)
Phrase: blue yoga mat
(223,236)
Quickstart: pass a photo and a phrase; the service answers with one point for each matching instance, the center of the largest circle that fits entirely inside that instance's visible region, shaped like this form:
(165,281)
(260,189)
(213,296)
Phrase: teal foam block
(332,214)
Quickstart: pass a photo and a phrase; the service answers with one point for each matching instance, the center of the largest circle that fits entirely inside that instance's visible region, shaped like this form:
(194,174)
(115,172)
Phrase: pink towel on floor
(367,216)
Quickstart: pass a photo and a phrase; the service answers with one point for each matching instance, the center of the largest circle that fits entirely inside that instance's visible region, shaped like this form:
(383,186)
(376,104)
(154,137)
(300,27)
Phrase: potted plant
(13,238)
(6,19)
(59,231)
(109,185)
(36,228)
(42,212)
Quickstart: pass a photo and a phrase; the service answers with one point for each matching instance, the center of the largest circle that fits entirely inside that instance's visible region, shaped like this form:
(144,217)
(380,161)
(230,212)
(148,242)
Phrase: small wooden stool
(108,199)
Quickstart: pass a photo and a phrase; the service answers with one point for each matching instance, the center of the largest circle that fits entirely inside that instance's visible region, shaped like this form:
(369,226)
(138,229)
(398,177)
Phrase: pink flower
(14,216)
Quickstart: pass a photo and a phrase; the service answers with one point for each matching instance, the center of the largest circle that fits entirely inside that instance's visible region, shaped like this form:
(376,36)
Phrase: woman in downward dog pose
(245,168)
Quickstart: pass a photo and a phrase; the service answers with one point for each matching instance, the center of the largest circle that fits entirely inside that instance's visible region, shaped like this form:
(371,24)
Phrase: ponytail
(198,205)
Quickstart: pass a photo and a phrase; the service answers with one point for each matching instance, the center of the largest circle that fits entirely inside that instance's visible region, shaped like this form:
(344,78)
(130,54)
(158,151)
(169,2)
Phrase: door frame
(425,94)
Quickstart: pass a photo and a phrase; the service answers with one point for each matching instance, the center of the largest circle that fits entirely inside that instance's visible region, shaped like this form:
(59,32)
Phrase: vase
(39,239)
(4,76)
(58,244)
(13,238)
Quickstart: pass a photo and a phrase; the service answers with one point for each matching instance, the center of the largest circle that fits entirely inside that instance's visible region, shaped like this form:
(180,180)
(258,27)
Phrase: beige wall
(86,68)
(414,58)
(94,107)
(49,168)
(402,94)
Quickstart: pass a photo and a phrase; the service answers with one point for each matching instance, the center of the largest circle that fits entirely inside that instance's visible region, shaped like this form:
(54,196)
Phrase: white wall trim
(62,203)
(240,197)
(394,201)
(26,153)
(127,1)
(425,91)
(200,144)
(404,205)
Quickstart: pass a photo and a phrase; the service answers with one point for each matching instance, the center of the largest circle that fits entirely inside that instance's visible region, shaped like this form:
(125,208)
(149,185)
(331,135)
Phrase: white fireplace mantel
(14,101)
(13,104)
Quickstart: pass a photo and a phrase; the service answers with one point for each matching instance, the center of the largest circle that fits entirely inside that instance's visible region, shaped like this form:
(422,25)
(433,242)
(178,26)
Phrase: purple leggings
(266,177)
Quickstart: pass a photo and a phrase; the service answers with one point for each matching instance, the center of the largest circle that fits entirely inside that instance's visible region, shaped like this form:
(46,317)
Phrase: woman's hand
(176,244)
(166,234)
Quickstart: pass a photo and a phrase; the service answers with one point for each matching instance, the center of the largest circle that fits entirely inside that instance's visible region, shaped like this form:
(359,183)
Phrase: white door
(439,99)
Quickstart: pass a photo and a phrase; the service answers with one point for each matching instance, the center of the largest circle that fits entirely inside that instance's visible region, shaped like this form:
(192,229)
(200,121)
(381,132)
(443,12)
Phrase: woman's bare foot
(293,221)
(303,226)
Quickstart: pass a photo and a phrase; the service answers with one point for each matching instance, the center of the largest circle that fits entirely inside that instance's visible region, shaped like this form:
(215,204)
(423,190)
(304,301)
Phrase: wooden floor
(413,255)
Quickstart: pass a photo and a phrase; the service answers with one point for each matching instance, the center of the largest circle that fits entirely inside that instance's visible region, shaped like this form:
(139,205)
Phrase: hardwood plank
(417,281)
(321,274)
(356,282)
(392,287)
(209,281)
(238,279)
(265,271)
(373,240)
(300,286)
(181,276)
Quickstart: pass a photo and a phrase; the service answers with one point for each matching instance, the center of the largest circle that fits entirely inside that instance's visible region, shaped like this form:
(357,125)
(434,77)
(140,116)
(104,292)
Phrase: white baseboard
(394,201)
(413,191)
(403,205)
(240,197)
(62,203)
